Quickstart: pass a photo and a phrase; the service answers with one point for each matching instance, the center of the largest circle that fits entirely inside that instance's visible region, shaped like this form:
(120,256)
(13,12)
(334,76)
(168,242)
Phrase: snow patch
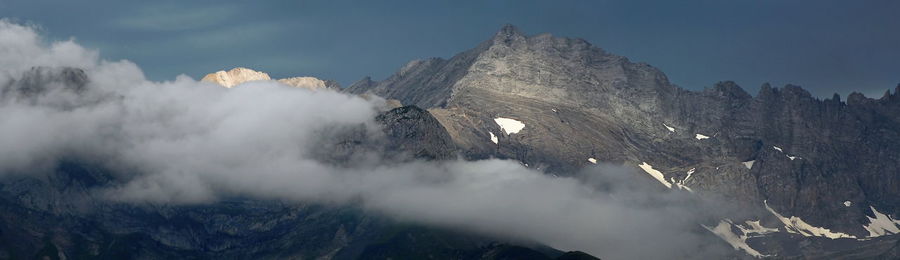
(656,174)
(749,164)
(788,156)
(689,172)
(509,125)
(701,137)
(798,226)
(847,203)
(882,224)
(754,227)
(494,138)
(680,184)
(671,129)
(592,160)
(724,231)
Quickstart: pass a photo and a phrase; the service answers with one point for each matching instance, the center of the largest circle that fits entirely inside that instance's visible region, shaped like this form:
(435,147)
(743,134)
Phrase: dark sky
(826,46)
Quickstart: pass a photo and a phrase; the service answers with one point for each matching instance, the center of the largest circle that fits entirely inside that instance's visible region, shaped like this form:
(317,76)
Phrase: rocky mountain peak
(241,75)
(731,90)
(508,38)
(364,83)
(304,82)
(508,33)
(892,97)
(544,67)
(797,91)
(856,98)
(235,77)
(836,98)
(39,79)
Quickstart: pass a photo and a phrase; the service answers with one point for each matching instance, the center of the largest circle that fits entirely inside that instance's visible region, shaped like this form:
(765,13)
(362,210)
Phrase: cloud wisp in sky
(171,17)
(190,142)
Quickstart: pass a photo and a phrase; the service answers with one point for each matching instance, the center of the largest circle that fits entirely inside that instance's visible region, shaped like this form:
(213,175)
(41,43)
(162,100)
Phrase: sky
(825,46)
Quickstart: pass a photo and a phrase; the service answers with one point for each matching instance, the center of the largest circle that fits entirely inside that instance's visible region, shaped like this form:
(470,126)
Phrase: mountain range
(810,168)
(813,178)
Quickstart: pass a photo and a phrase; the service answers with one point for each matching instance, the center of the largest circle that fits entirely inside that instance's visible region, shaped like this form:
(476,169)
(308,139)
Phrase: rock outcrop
(416,131)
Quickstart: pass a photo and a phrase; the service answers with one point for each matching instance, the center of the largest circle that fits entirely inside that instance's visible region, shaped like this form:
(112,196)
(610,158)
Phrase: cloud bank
(184,141)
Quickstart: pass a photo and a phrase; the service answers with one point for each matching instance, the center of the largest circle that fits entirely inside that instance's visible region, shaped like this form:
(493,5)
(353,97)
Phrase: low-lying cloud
(184,141)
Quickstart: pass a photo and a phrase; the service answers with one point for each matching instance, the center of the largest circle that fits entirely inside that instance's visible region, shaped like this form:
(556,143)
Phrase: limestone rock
(304,82)
(240,75)
(235,77)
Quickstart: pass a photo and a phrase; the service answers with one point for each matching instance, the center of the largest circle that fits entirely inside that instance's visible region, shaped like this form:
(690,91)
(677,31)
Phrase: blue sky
(825,46)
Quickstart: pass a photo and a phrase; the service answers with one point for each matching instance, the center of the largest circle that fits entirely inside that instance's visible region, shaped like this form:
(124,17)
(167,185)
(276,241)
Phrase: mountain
(814,170)
(239,75)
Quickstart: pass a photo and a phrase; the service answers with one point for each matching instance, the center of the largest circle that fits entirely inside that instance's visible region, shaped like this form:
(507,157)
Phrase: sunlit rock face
(304,82)
(235,77)
(241,75)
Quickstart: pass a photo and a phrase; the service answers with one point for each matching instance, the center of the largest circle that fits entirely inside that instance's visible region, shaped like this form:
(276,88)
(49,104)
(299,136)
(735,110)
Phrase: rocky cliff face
(813,169)
(416,131)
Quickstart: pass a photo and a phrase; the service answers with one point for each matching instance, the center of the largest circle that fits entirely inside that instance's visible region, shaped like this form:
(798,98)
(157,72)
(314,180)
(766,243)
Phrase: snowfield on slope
(881,224)
(509,125)
(796,225)
(671,129)
(723,230)
(656,174)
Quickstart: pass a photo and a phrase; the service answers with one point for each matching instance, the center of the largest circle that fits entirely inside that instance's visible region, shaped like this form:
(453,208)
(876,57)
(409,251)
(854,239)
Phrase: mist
(189,142)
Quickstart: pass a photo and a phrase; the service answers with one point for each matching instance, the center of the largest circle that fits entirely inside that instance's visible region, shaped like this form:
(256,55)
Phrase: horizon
(826,48)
